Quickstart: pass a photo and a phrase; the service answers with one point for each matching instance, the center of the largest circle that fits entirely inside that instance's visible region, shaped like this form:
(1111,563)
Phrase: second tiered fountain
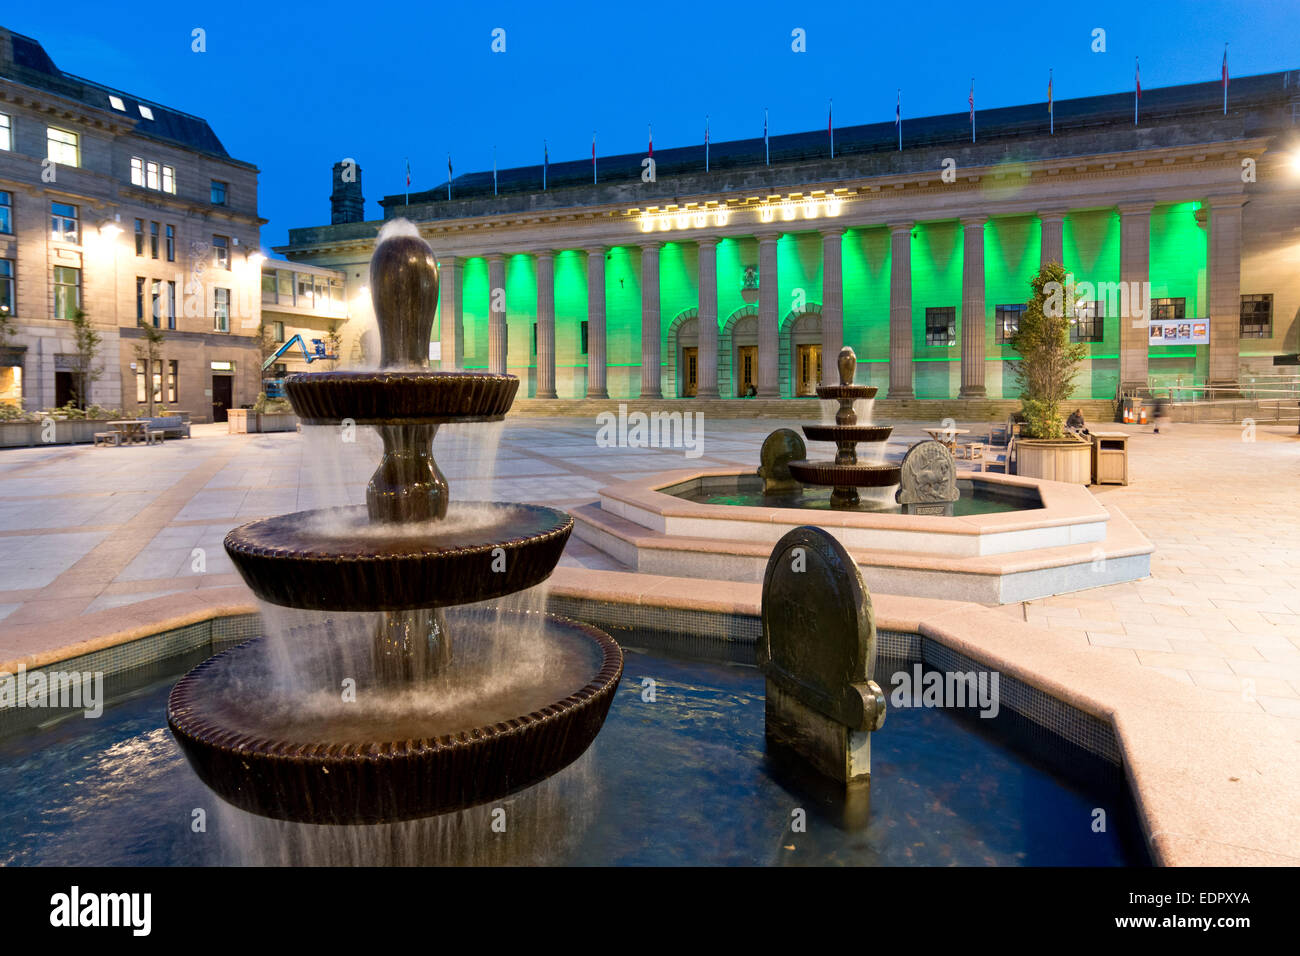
(438,709)
(846,474)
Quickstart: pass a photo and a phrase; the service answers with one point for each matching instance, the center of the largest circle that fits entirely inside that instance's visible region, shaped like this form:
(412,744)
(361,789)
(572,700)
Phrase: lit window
(137,171)
(221,310)
(171,305)
(218,193)
(63,222)
(169,180)
(173,373)
(305,292)
(941,326)
(6,131)
(1257,316)
(1006,323)
(284,283)
(116,102)
(62,146)
(67,292)
(6,212)
(139,237)
(6,288)
(151,175)
(139,299)
(221,251)
(146,112)
(1088,322)
(1167,309)
(155,298)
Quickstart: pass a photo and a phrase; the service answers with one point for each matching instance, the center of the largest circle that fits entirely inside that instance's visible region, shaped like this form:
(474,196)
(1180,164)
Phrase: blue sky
(294,87)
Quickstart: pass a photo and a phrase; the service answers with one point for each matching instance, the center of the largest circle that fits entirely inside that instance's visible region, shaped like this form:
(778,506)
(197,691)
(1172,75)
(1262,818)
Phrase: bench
(167,426)
(108,438)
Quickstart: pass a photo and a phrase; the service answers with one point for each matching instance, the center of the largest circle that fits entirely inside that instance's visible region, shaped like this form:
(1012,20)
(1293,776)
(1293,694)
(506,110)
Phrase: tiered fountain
(441,719)
(846,474)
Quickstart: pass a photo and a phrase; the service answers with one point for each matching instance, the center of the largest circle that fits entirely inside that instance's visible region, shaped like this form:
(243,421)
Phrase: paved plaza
(87,530)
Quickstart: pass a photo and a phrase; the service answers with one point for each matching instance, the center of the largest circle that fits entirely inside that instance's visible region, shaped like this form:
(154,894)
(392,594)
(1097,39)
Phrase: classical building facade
(1182,233)
(133,215)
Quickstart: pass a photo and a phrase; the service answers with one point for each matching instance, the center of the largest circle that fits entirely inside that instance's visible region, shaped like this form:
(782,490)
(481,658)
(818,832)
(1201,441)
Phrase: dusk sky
(294,87)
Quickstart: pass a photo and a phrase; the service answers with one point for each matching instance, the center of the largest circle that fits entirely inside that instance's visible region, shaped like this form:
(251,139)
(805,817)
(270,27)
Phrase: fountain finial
(848,362)
(404,291)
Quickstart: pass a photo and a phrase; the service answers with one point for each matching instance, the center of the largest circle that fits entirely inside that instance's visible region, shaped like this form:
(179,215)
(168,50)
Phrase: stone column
(650,323)
(832,299)
(451,316)
(1224,293)
(972,307)
(1052,248)
(900,310)
(1134,273)
(769,385)
(546,325)
(497,333)
(708,321)
(596,387)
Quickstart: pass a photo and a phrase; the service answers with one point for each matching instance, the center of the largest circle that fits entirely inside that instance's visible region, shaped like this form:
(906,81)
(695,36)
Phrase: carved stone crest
(928,479)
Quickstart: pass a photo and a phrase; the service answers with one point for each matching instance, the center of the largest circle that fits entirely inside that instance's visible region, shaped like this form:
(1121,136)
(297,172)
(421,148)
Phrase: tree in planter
(334,345)
(150,352)
(86,342)
(1049,362)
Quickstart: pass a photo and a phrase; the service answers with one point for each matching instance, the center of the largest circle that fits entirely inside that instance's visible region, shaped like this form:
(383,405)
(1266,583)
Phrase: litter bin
(1110,458)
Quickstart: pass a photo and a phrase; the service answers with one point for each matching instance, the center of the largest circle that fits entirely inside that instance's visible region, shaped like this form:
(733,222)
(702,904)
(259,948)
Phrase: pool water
(678,776)
(976,498)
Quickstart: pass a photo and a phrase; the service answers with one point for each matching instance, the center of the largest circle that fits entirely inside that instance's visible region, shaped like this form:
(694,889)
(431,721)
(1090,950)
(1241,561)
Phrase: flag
(408,174)
(898,118)
(650,133)
(706,143)
(767,150)
(449,175)
(593,156)
(546,159)
(830,124)
(971,100)
(1137,88)
(1051,113)
(1225,79)
(494,170)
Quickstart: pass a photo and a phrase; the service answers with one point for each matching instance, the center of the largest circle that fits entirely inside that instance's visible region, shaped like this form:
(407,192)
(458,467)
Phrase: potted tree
(1045,373)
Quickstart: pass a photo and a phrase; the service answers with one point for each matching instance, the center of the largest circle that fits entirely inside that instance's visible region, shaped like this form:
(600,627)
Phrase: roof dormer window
(146,112)
(116,103)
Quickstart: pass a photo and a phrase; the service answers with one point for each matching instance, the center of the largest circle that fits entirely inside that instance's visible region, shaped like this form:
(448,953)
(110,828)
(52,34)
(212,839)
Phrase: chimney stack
(346,202)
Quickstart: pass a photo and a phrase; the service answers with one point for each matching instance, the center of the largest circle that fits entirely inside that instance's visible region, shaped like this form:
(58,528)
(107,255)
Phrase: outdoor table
(132,429)
(947,436)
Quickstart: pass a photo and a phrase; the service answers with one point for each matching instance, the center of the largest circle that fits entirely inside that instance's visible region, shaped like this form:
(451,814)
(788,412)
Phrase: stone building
(131,213)
(709,282)
(308,301)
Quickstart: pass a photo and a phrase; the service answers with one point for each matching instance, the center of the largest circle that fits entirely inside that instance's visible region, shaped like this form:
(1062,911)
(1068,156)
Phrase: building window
(218,193)
(221,251)
(139,237)
(151,175)
(62,146)
(137,171)
(582,336)
(67,292)
(1007,323)
(1257,316)
(155,300)
(304,292)
(336,293)
(6,288)
(1167,309)
(63,222)
(140,395)
(268,288)
(221,310)
(171,243)
(278,329)
(284,281)
(154,229)
(169,180)
(6,131)
(6,212)
(116,103)
(171,305)
(145,112)
(941,326)
(139,299)
(173,375)
(534,338)
(1088,323)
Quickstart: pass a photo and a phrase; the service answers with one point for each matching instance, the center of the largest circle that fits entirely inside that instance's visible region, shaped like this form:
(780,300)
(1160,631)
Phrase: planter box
(243,421)
(1054,460)
(19,434)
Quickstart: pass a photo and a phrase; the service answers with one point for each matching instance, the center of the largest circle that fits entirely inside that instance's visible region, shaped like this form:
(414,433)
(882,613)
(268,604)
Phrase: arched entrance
(682,362)
(738,353)
(801,351)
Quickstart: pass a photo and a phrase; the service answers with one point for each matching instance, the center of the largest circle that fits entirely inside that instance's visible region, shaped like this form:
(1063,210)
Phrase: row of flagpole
(830,128)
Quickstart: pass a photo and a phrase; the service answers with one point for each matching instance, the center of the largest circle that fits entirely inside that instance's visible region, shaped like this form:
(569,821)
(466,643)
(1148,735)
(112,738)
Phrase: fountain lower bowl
(347,765)
(311,560)
(845,476)
(400,397)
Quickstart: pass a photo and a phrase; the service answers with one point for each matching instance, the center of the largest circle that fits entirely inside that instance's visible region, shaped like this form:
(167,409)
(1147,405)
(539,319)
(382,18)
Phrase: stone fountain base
(482,730)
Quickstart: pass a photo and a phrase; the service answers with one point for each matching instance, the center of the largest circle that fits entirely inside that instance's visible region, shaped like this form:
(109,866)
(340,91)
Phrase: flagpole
(898,118)
(408,180)
(972,109)
(706,142)
(767,149)
(830,121)
(593,157)
(494,170)
(1225,79)
(1137,88)
(545,159)
(1051,107)
(449,177)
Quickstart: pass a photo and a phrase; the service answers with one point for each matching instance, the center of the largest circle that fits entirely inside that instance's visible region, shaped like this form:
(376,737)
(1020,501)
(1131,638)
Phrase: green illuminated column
(497,313)
(1134,273)
(546,325)
(1053,240)
(650,332)
(832,296)
(451,315)
(1225,289)
(900,310)
(768,291)
(596,355)
(972,307)
(708,319)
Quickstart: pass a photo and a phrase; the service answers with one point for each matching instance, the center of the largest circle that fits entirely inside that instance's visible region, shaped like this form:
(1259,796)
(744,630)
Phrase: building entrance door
(65,389)
(223,390)
(746,370)
(690,372)
(808,364)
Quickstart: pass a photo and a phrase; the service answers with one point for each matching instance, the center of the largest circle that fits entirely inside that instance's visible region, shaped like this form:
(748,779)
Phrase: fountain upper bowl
(400,396)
